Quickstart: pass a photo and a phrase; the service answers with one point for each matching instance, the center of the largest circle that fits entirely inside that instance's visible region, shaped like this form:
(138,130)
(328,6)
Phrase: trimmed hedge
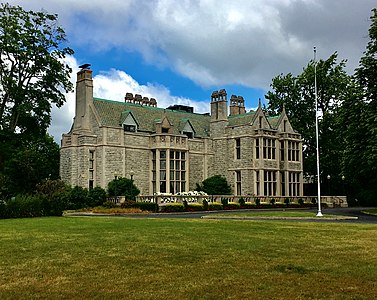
(194,207)
(172,207)
(148,206)
(28,206)
(215,206)
(232,205)
(248,205)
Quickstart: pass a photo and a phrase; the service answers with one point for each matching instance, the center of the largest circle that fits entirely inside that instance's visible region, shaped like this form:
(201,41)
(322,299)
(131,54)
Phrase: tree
(215,185)
(360,163)
(33,75)
(123,187)
(296,93)
(29,162)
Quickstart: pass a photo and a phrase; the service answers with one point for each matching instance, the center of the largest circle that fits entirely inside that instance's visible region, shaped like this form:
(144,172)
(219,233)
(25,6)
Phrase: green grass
(125,258)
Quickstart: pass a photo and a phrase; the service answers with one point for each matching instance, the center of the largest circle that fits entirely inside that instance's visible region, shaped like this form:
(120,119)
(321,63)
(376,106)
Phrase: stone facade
(171,150)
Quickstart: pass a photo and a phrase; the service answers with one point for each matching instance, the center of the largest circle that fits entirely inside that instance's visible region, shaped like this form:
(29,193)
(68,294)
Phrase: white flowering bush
(188,196)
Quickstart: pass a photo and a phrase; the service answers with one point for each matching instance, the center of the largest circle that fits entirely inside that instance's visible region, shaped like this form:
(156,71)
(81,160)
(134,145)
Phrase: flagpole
(319,214)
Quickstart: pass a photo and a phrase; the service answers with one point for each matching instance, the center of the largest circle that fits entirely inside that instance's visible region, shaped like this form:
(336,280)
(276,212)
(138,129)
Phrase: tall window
(257,148)
(154,170)
(294,183)
(257,181)
(91,169)
(238,148)
(282,154)
(269,148)
(171,168)
(238,182)
(282,181)
(270,183)
(293,151)
(177,171)
(163,171)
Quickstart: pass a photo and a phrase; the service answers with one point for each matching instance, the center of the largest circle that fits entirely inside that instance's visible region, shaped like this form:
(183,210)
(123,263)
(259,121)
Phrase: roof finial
(259,103)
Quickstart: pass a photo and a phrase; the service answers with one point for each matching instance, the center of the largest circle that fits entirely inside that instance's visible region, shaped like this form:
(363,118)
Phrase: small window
(164,130)
(238,148)
(129,128)
(190,135)
(238,182)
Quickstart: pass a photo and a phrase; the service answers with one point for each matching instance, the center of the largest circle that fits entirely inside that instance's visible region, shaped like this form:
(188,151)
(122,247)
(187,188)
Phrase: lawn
(124,258)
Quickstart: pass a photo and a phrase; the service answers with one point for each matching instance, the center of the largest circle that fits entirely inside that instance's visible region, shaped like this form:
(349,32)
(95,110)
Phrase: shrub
(205,204)
(272,201)
(127,204)
(173,207)
(3,207)
(215,185)
(194,207)
(287,201)
(109,204)
(54,195)
(23,206)
(248,205)
(215,206)
(123,187)
(96,197)
(77,198)
(145,206)
(224,201)
(232,205)
(301,201)
(185,204)
(257,201)
(241,201)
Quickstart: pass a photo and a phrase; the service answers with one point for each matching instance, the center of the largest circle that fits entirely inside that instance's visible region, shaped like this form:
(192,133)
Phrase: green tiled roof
(242,119)
(273,121)
(111,112)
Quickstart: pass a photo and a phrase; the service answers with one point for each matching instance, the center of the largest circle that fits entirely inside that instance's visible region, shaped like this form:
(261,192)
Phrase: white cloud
(215,42)
(211,42)
(113,85)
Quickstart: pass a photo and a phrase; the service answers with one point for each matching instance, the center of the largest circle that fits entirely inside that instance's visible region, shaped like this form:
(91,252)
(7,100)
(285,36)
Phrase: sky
(180,51)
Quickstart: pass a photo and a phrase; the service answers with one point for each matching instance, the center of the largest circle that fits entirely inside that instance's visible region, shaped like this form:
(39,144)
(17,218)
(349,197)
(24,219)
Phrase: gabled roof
(110,112)
(274,121)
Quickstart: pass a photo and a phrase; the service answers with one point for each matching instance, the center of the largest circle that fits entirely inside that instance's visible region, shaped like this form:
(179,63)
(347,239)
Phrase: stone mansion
(169,150)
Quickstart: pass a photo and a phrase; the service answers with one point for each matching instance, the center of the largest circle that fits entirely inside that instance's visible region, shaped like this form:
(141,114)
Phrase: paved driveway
(351,211)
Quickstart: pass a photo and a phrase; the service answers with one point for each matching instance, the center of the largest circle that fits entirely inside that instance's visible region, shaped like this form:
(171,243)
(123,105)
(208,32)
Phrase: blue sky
(180,51)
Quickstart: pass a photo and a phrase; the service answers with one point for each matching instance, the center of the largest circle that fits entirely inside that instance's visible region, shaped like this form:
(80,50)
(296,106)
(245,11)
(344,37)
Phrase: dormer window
(190,135)
(129,128)
(164,130)
(187,129)
(128,122)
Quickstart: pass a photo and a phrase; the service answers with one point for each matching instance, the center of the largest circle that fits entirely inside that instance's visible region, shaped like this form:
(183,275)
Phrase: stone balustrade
(330,201)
